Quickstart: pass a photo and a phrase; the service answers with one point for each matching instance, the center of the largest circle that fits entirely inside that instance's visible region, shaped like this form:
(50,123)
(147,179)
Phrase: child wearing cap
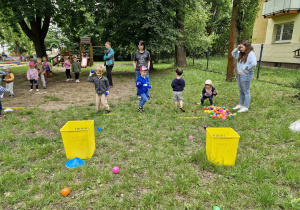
(2,91)
(143,87)
(33,76)
(9,79)
(76,68)
(178,85)
(101,88)
(208,92)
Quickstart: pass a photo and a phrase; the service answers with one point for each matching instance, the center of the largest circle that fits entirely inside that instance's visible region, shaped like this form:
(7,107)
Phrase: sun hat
(143,68)
(31,63)
(6,67)
(208,82)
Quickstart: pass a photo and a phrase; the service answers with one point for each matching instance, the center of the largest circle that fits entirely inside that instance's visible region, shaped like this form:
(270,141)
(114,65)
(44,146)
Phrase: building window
(284,32)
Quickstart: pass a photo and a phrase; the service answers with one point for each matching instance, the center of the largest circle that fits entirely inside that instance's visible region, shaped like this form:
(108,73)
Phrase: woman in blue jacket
(109,61)
(246,64)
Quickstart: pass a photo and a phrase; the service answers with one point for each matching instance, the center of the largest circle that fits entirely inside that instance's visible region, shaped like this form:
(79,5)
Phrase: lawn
(160,167)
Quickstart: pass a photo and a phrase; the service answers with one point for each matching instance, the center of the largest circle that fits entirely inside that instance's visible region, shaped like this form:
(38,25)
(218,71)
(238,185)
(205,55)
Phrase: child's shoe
(1,115)
(182,109)
(11,95)
(37,90)
(140,109)
(107,111)
(237,107)
(31,90)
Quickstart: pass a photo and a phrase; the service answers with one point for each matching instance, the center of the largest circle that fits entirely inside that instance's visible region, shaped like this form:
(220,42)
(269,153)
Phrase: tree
(243,17)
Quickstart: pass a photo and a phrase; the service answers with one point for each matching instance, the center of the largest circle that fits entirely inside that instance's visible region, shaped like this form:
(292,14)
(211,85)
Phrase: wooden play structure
(86,41)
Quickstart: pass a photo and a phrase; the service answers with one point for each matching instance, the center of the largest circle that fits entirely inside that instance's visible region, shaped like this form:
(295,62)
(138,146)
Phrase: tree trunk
(232,40)
(37,33)
(180,51)
(17,48)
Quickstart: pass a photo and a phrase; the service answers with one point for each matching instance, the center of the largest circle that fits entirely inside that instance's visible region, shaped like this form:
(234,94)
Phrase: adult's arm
(110,55)
(149,58)
(235,53)
(134,61)
(251,62)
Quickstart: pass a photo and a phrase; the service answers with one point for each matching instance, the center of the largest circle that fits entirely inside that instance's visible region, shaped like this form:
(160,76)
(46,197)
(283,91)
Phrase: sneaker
(141,109)
(37,90)
(71,79)
(107,111)
(176,108)
(11,95)
(237,107)
(182,109)
(110,86)
(44,87)
(139,96)
(31,90)
(78,80)
(244,109)
(67,80)
(1,115)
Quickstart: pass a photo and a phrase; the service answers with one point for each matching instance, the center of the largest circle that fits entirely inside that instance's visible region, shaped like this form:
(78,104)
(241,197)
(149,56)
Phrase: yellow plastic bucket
(221,146)
(79,139)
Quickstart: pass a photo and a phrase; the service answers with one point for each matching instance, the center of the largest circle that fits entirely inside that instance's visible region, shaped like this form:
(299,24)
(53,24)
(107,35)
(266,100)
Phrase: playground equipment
(84,60)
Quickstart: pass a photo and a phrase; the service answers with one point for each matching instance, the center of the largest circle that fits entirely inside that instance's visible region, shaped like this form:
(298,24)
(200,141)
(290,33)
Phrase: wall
(260,27)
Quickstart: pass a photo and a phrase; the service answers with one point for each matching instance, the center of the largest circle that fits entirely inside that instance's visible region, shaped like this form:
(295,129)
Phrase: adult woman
(109,62)
(245,67)
(141,58)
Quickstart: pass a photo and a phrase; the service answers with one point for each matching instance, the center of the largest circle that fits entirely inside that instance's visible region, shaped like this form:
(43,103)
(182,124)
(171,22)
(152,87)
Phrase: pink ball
(116,169)
(191,137)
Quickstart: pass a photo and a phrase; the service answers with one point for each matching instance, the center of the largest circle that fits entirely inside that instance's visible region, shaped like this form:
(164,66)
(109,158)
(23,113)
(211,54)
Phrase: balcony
(275,8)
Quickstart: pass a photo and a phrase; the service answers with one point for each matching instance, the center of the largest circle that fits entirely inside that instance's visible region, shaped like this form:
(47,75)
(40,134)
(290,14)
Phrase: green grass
(160,168)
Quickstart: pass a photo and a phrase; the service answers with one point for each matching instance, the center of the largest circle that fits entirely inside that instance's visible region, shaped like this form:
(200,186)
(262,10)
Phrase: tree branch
(26,30)
(45,27)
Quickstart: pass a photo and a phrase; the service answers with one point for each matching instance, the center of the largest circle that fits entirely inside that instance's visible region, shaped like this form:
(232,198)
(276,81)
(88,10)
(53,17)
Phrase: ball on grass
(65,191)
(191,137)
(99,129)
(205,126)
(115,169)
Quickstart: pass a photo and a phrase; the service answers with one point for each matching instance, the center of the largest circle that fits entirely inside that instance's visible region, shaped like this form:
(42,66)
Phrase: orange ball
(65,191)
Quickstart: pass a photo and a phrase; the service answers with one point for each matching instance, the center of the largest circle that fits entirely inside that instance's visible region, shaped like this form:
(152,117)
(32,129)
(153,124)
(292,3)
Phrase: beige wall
(260,27)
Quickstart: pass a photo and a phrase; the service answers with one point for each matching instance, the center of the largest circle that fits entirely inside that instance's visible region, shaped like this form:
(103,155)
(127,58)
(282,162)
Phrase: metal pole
(260,56)
(208,49)
(194,58)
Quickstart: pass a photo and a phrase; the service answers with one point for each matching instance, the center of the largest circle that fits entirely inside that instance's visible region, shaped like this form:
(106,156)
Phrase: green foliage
(246,16)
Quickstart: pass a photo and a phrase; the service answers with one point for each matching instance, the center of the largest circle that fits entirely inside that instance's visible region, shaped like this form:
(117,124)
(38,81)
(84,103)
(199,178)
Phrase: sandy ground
(61,94)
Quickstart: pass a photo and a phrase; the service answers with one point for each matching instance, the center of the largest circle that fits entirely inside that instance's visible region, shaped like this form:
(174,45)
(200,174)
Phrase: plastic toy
(205,126)
(191,137)
(150,86)
(106,93)
(99,129)
(216,208)
(75,162)
(115,169)
(65,192)
(219,112)
(92,71)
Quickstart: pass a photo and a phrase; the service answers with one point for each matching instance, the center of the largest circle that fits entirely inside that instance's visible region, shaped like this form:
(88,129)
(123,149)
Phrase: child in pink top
(67,64)
(33,76)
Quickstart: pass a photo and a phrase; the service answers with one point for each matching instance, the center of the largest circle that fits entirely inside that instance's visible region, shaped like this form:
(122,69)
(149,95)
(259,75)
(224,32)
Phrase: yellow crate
(221,145)
(79,139)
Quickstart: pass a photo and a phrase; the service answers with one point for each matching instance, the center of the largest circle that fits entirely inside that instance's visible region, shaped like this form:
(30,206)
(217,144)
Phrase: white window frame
(282,28)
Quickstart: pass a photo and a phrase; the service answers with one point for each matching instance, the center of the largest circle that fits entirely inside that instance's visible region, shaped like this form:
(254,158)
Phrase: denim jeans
(137,74)
(143,100)
(244,82)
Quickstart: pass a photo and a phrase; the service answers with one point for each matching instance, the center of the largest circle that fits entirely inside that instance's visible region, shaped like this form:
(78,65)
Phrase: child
(2,73)
(33,76)
(101,87)
(2,91)
(76,69)
(9,79)
(178,85)
(208,92)
(48,68)
(41,69)
(67,64)
(143,86)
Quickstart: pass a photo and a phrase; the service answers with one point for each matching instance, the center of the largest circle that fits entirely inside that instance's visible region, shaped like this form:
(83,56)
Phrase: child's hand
(137,83)
(215,91)
(91,74)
